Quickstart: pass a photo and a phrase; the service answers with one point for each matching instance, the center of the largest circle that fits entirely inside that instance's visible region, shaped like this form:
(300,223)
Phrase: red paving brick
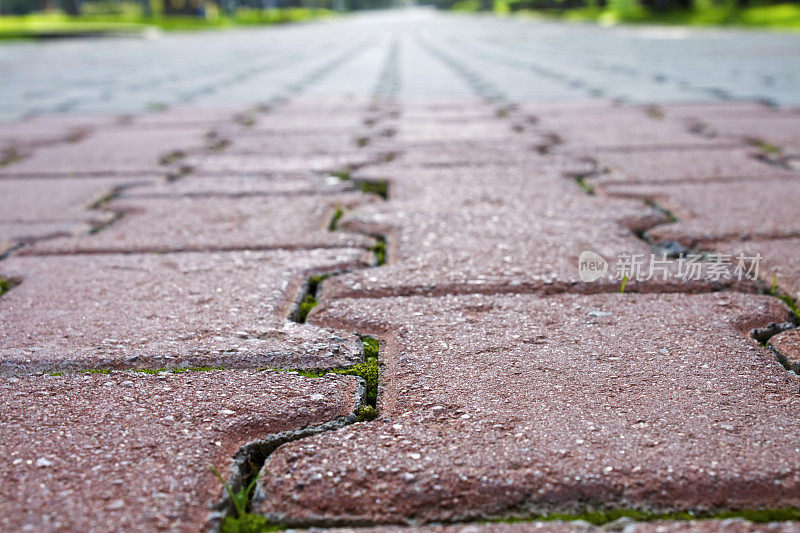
(781,130)
(503,404)
(625,130)
(670,166)
(48,129)
(221,164)
(710,212)
(130,451)
(501,229)
(182,116)
(177,224)
(55,199)
(15,233)
(787,346)
(779,262)
(111,152)
(494,404)
(171,310)
(244,185)
(292,145)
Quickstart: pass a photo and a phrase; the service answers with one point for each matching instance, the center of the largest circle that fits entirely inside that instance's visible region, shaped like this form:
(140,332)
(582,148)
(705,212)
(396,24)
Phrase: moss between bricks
(250,523)
(246,522)
(367,370)
(309,301)
(759,516)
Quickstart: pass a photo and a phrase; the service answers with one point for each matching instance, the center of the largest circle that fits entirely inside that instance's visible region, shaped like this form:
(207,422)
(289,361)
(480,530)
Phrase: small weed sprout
(241,497)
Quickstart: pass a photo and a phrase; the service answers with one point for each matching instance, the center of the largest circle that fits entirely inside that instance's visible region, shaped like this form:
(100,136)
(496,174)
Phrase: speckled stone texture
(130,451)
(112,151)
(13,234)
(253,223)
(779,264)
(686,165)
(492,405)
(222,164)
(116,311)
(624,129)
(501,230)
(242,185)
(781,130)
(711,212)
(45,129)
(787,346)
(58,200)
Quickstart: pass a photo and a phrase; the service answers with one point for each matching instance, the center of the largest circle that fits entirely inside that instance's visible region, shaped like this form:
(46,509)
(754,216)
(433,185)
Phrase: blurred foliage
(754,13)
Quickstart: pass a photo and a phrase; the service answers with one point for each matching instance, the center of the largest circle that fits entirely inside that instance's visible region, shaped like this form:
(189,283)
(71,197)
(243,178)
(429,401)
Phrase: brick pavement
(189,245)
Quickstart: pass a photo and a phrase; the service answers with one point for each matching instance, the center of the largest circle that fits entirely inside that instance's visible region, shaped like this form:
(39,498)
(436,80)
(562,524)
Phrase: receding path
(517,58)
(489,296)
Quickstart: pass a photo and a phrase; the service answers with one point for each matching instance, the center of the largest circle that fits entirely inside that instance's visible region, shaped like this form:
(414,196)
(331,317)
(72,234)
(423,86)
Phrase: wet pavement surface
(580,265)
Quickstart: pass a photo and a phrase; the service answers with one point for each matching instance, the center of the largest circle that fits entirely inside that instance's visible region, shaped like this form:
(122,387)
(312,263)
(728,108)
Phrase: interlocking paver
(241,185)
(691,164)
(13,234)
(183,116)
(51,200)
(709,212)
(133,451)
(116,311)
(625,130)
(778,265)
(293,145)
(781,130)
(269,164)
(499,404)
(502,229)
(787,346)
(113,151)
(48,129)
(188,223)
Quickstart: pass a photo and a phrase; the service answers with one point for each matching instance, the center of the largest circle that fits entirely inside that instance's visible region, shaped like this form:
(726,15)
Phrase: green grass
(37,25)
(774,17)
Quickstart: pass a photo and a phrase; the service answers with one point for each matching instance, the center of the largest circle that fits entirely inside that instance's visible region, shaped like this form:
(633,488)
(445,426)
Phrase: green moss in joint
(379,187)
(610,515)
(337,215)
(5,286)
(249,523)
(380,251)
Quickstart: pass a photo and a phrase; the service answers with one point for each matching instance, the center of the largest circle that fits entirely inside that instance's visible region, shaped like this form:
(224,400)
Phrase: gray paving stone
(197,309)
(132,451)
(571,407)
(207,223)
